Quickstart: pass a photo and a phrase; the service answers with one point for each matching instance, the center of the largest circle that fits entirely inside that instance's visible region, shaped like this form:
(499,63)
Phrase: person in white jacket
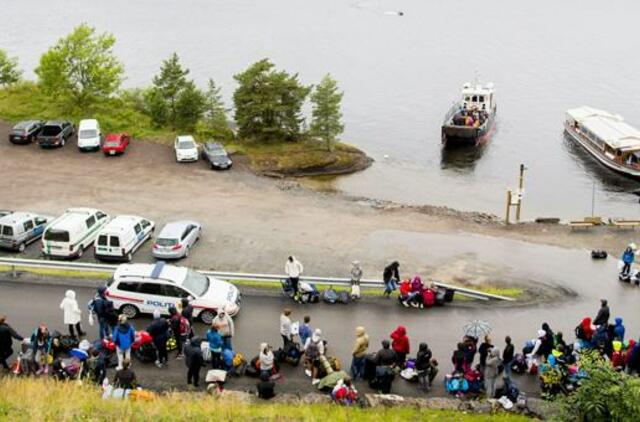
(293,268)
(226,329)
(72,313)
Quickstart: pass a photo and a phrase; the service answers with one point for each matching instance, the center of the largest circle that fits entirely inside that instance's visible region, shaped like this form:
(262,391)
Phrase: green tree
(189,106)
(214,123)
(9,72)
(268,103)
(81,69)
(164,95)
(326,121)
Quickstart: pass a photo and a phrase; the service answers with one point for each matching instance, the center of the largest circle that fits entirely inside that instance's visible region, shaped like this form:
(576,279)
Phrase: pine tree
(326,115)
(167,86)
(214,123)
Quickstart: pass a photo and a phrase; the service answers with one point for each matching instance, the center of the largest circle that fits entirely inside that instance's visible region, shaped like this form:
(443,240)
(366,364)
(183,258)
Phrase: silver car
(176,239)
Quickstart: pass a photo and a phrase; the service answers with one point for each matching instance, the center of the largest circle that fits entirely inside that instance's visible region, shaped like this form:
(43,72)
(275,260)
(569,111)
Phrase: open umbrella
(477,328)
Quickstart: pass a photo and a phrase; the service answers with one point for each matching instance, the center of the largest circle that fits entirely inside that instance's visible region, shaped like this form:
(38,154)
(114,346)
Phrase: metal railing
(273,278)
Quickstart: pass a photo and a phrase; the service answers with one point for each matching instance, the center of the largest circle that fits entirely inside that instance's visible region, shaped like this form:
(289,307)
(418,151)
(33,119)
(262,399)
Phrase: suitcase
(440,297)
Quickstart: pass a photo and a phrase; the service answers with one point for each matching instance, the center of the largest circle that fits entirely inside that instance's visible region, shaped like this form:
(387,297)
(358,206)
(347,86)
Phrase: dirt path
(253,223)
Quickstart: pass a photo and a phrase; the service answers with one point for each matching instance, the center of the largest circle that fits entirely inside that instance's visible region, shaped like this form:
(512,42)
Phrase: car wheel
(129,311)
(207,316)
(63,141)
(129,257)
(21,247)
(213,167)
(186,252)
(80,251)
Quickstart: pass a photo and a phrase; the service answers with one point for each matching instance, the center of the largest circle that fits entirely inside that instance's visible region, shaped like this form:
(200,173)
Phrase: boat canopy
(605,127)
(478,96)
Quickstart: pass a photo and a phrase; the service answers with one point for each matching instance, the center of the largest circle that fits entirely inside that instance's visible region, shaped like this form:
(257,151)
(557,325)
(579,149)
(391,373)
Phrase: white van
(89,135)
(19,229)
(68,235)
(121,237)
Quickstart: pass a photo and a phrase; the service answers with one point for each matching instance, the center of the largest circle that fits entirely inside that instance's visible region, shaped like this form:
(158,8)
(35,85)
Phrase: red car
(115,143)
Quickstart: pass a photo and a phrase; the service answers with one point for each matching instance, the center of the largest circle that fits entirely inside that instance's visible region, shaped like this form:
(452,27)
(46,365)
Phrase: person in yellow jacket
(359,353)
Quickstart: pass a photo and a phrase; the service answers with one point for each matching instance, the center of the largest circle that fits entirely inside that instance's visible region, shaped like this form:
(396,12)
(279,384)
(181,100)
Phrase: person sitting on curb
(266,387)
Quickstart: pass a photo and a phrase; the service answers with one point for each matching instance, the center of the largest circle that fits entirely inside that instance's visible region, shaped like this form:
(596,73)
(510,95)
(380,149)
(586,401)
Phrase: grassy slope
(29,399)
(50,272)
(25,101)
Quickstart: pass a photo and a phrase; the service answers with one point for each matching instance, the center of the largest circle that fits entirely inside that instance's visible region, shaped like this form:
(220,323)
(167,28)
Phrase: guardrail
(274,278)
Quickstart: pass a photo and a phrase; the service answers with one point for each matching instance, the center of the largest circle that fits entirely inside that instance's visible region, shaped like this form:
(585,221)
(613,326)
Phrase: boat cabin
(477,97)
(608,133)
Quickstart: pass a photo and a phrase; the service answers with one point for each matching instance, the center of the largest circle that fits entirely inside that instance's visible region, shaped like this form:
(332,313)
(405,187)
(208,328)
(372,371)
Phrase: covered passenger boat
(470,121)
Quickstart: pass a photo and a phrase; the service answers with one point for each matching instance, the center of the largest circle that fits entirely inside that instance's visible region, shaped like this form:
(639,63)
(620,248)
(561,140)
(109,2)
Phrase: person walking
(391,276)
(104,311)
(215,345)
(305,330)
(400,345)
(72,314)
(285,328)
(123,337)
(628,256)
(507,358)
(225,328)
(313,349)
(483,350)
(603,314)
(7,334)
(266,360)
(356,276)
(194,361)
(359,353)
(293,269)
(159,332)
(491,372)
(178,325)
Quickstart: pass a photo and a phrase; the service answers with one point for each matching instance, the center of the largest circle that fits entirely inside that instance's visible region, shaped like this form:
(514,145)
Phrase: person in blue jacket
(618,330)
(628,256)
(123,337)
(215,345)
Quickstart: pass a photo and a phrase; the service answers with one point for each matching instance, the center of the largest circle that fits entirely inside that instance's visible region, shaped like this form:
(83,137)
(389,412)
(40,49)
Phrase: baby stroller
(308,293)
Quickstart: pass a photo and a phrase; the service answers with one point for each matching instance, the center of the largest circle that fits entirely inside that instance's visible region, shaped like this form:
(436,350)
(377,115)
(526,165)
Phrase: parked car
(70,234)
(55,133)
(89,135)
(115,143)
(176,239)
(144,288)
(122,237)
(25,132)
(216,155)
(19,229)
(186,149)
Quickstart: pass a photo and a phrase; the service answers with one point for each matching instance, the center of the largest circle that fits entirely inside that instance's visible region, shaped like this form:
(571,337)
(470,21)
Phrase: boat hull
(460,136)
(602,159)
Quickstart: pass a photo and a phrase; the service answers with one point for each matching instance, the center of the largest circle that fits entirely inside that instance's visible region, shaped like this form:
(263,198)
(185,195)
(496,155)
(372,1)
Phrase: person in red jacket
(400,345)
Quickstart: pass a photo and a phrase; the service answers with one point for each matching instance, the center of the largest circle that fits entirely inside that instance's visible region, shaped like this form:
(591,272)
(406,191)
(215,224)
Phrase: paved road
(30,304)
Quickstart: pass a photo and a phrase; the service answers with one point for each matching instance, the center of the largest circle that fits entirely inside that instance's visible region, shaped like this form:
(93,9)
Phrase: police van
(19,229)
(143,288)
(70,234)
(121,237)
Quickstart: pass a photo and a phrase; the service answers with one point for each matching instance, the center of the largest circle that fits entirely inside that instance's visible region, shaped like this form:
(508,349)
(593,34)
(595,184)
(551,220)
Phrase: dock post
(508,205)
(520,192)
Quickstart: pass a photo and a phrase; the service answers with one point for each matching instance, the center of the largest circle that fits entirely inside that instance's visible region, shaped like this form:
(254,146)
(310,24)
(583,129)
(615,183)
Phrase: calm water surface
(400,75)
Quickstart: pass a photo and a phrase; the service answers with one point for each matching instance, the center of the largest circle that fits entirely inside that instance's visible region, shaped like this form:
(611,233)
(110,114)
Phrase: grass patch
(53,272)
(44,400)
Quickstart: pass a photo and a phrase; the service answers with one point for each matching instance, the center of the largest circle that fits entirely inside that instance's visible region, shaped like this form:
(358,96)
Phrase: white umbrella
(477,328)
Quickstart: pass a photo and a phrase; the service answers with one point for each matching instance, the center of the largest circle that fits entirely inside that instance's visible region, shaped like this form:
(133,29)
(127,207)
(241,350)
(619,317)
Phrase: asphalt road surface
(28,305)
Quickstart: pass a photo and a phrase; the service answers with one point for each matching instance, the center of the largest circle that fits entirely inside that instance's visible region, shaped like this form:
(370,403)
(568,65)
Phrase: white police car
(143,288)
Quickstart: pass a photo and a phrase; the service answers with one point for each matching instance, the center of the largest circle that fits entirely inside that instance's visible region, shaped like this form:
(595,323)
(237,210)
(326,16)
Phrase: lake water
(400,75)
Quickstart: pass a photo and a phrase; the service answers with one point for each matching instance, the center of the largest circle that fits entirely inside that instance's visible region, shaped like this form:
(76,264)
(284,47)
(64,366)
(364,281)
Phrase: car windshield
(56,235)
(88,133)
(166,242)
(218,153)
(51,130)
(186,145)
(196,283)
(112,141)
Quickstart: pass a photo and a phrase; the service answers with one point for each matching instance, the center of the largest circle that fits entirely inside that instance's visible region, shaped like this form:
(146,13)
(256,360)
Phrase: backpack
(428,297)
(343,297)
(335,363)
(292,354)
(440,296)
(330,296)
(185,328)
(519,365)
